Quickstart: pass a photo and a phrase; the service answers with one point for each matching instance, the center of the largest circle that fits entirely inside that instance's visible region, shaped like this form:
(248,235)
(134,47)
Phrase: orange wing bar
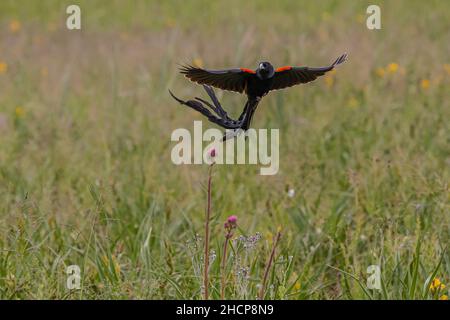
(283,69)
(247,70)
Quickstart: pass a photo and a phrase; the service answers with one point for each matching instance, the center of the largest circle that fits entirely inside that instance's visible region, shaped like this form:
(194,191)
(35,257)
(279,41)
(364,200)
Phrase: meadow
(86,177)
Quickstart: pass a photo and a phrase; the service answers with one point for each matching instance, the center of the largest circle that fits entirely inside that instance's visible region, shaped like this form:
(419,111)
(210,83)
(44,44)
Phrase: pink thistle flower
(232,219)
(231,223)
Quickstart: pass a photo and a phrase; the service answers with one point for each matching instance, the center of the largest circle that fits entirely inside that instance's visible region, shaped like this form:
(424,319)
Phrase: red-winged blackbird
(254,83)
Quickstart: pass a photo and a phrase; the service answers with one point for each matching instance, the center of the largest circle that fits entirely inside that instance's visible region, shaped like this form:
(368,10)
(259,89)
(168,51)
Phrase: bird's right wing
(229,79)
(290,76)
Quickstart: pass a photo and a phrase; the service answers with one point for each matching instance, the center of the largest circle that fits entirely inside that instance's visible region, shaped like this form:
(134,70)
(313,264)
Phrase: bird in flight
(254,83)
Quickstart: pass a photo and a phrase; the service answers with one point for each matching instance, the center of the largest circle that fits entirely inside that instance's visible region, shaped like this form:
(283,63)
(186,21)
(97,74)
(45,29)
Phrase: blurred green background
(85,170)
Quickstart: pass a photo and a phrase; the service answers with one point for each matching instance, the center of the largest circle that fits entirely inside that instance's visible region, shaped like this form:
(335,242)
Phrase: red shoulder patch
(286,68)
(247,70)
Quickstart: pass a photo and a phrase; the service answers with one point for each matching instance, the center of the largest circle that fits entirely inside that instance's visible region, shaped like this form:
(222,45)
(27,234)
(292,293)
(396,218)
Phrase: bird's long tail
(219,116)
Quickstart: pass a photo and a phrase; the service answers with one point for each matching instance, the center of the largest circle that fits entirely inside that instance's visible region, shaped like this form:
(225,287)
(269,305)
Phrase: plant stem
(269,263)
(224,259)
(208,215)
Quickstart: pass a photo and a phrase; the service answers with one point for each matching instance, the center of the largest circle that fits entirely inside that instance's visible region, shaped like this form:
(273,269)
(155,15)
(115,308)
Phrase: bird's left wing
(290,76)
(228,79)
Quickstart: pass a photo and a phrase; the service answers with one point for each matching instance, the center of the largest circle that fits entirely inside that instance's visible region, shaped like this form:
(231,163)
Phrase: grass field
(86,177)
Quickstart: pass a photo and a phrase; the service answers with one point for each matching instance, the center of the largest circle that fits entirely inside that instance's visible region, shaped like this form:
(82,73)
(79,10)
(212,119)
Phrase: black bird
(254,83)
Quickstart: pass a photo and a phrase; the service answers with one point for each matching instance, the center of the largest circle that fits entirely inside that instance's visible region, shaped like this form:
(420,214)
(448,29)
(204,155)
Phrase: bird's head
(265,70)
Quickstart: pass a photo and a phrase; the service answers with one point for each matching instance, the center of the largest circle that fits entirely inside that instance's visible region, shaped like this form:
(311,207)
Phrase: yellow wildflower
(436,284)
(14,25)
(425,84)
(3,67)
(20,112)
(198,63)
(392,67)
(380,72)
(297,285)
(444,297)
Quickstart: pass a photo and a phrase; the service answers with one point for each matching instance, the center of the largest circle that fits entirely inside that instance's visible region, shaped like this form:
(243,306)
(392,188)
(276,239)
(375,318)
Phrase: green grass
(86,176)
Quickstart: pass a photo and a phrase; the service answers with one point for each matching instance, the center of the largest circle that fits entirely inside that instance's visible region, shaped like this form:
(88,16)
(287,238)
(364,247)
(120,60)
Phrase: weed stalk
(268,265)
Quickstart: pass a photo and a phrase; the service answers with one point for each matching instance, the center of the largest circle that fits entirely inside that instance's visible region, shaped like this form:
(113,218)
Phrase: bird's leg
(236,132)
(244,112)
(250,109)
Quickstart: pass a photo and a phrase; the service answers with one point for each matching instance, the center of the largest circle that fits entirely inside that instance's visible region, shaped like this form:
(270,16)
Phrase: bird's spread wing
(229,79)
(290,76)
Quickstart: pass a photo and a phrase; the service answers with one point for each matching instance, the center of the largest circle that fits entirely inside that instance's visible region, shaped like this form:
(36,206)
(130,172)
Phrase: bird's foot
(229,134)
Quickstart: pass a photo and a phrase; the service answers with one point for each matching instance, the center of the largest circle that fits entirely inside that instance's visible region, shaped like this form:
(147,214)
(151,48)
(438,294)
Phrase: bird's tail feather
(340,60)
(220,118)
